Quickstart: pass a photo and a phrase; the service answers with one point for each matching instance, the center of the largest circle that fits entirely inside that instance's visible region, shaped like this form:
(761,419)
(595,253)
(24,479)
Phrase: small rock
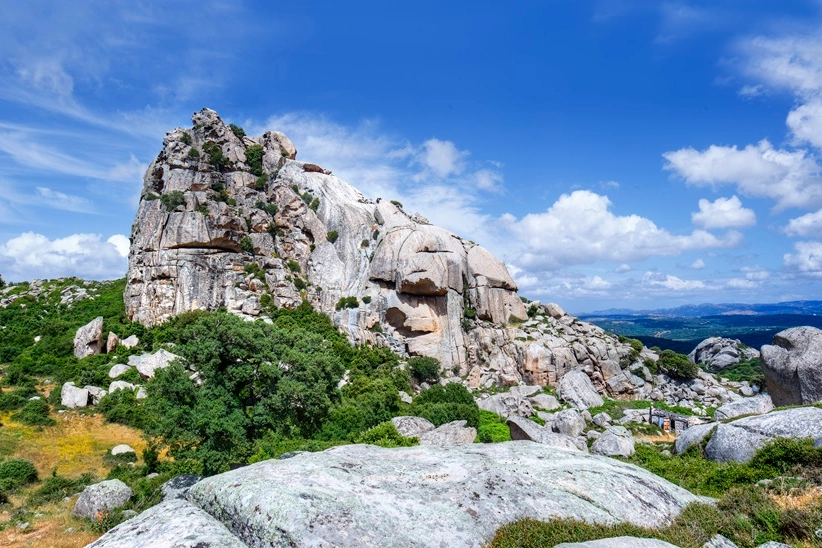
(88,341)
(106,495)
(130,342)
(569,422)
(117,370)
(72,396)
(412,426)
(615,441)
(544,401)
(122,449)
(452,433)
(405,397)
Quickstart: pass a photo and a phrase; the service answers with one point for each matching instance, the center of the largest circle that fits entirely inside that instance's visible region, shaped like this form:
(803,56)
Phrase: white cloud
(805,122)
(698,264)
(791,178)
(751,91)
(442,157)
(741,283)
(806,259)
(808,225)
(488,179)
(672,282)
(31,255)
(580,228)
(723,213)
(59,200)
(623,268)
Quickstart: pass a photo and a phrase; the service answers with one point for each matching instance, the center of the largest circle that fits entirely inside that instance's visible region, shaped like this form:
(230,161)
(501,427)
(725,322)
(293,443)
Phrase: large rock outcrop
(717,353)
(237,222)
(793,366)
(88,340)
(361,495)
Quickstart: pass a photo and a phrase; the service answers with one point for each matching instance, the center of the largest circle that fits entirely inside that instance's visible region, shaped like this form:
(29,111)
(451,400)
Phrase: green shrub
(122,407)
(677,365)
(15,473)
(314,205)
(780,455)
(247,244)
(254,159)
(492,428)
(17,398)
(425,368)
(193,153)
(35,413)
(186,138)
(470,313)
(397,203)
(55,488)
(293,266)
(332,236)
(299,283)
(442,404)
(2,283)
(172,200)
(366,299)
(215,155)
(385,435)
(237,130)
(347,302)
(202,209)
(259,184)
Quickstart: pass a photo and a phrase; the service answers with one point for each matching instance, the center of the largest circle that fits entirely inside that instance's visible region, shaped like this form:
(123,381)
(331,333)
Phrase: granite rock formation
(793,366)
(717,353)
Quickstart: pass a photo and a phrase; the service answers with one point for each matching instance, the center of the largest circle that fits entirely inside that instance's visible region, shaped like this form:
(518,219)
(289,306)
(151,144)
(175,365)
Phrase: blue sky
(614,153)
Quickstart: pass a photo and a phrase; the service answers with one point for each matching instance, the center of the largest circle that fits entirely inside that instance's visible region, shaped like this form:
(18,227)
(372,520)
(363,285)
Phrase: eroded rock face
(793,366)
(217,228)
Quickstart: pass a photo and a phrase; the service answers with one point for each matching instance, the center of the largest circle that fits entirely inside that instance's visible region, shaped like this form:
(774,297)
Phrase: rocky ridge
(230,221)
(717,353)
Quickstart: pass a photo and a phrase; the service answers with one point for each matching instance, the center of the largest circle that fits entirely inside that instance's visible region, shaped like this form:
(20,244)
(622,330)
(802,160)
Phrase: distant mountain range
(810,308)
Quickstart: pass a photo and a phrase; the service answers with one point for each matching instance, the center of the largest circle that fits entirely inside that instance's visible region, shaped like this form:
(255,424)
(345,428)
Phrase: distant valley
(682,328)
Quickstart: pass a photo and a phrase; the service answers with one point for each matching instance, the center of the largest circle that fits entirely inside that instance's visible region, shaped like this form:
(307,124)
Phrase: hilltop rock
(793,366)
(218,229)
(360,495)
(88,341)
(717,353)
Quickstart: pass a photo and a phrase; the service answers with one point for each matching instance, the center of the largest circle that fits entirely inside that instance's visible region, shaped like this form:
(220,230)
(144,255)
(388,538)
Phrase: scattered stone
(130,342)
(73,397)
(616,441)
(601,420)
(117,370)
(122,449)
(569,422)
(576,388)
(23,527)
(544,401)
(147,364)
(412,426)
(506,404)
(120,385)
(748,406)
(111,342)
(524,429)
(106,495)
(96,393)
(88,341)
(718,353)
(141,393)
(405,397)
(452,433)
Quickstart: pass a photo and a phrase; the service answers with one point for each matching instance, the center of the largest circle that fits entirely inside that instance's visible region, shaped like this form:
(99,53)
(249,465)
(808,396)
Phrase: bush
(172,200)
(424,368)
(314,205)
(2,283)
(186,138)
(193,153)
(254,159)
(122,407)
(332,236)
(293,265)
(15,473)
(385,435)
(259,184)
(56,488)
(677,365)
(246,244)
(443,404)
(237,130)
(215,155)
(397,203)
(347,302)
(35,413)
(492,428)
(780,455)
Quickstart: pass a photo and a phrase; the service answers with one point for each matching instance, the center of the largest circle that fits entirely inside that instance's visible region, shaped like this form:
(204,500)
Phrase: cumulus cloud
(723,213)
(31,255)
(698,264)
(791,178)
(805,123)
(806,259)
(672,282)
(579,228)
(809,224)
(442,157)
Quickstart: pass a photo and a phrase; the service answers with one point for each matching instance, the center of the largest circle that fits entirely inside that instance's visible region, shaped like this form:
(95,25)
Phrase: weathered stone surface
(122,449)
(739,440)
(601,419)
(718,353)
(619,542)
(616,441)
(88,341)
(544,401)
(106,495)
(117,370)
(452,433)
(120,385)
(73,396)
(569,422)
(412,426)
(576,388)
(748,406)
(718,541)
(112,341)
(506,404)
(95,393)
(130,342)
(692,436)
(147,364)
(793,366)
(178,486)
(174,523)
(527,430)
(363,495)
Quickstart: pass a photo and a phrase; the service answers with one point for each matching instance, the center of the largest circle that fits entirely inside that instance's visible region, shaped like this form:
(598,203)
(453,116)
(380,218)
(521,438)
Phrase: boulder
(111,342)
(576,388)
(749,406)
(544,401)
(619,542)
(117,370)
(130,342)
(72,396)
(178,486)
(122,449)
(692,436)
(95,393)
(88,340)
(106,495)
(740,439)
(717,353)
(568,422)
(528,430)
(120,385)
(601,420)
(141,393)
(412,426)
(506,404)
(793,366)
(452,433)
(147,364)
(616,441)
(174,522)
(361,495)
(718,541)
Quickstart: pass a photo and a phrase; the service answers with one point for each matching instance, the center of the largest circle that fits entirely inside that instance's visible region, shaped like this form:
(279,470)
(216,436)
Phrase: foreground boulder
(103,496)
(88,341)
(749,406)
(616,441)
(452,433)
(412,426)
(73,396)
(619,542)
(793,366)
(740,439)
